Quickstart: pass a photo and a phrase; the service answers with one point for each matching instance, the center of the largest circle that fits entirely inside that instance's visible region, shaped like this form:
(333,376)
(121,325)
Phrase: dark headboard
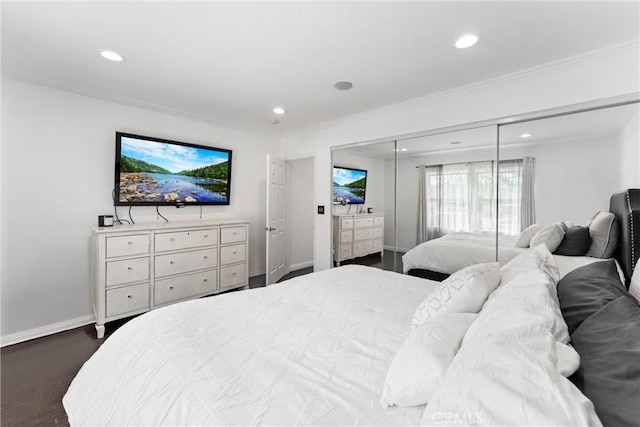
(625,205)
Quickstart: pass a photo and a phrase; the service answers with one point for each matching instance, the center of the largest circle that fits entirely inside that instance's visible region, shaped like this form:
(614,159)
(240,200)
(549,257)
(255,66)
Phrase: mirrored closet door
(569,166)
(435,189)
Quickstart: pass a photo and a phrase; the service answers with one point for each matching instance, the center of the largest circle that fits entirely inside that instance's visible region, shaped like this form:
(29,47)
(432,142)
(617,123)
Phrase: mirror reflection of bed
(562,172)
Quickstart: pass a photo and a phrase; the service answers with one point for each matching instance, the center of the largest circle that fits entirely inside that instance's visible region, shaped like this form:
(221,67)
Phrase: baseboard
(390,248)
(54,328)
(300,265)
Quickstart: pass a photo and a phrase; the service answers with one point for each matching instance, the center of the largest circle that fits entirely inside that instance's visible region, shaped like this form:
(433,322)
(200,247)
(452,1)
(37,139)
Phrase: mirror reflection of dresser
(357,235)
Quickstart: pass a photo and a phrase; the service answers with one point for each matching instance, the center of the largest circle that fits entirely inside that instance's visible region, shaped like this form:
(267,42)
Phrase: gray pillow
(603,230)
(576,242)
(609,374)
(587,289)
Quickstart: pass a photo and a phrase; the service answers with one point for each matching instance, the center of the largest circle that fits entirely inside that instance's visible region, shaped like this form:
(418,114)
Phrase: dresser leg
(100,331)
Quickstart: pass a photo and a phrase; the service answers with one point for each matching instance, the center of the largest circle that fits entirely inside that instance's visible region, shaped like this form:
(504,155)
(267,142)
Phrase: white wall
(57,177)
(586,78)
(301,213)
(629,140)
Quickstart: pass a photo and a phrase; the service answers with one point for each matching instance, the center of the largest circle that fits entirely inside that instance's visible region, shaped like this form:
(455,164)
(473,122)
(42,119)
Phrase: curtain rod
(466,163)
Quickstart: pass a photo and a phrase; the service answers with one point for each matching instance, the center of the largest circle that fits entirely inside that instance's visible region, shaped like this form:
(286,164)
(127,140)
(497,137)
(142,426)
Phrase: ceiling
(231,63)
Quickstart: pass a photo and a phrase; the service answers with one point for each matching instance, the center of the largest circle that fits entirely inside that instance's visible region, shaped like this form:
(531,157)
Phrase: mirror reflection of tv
(154,172)
(349,186)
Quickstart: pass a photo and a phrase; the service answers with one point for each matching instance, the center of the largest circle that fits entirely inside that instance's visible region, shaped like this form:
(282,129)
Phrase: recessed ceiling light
(343,85)
(279,110)
(111,55)
(525,135)
(455,142)
(466,40)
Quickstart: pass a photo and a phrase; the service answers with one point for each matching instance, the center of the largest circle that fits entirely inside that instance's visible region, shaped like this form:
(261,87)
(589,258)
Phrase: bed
(327,349)
(438,258)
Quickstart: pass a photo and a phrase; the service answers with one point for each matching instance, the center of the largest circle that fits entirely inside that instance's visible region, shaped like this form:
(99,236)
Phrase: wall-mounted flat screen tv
(153,171)
(349,186)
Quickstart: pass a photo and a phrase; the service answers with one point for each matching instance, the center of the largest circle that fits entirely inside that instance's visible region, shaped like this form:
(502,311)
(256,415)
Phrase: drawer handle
(129,243)
(171,239)
(129,296)
(234,252)
(172,262)
(205,280)
(234,233)
(234,273)
(130,268)
(170,287)
(206,256)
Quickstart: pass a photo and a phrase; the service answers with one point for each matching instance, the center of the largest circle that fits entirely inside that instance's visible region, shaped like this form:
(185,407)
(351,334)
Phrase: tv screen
(153,171)
(349,186)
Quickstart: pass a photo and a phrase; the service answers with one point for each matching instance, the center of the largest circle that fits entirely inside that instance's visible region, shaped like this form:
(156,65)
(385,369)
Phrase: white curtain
(528,203)
(462,198)
(510,189)
(422,205)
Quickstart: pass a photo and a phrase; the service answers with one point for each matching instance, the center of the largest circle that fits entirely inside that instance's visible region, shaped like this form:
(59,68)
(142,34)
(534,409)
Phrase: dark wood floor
(34,375)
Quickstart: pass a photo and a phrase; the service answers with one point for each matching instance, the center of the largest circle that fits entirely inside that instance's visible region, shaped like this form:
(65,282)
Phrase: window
(462,198)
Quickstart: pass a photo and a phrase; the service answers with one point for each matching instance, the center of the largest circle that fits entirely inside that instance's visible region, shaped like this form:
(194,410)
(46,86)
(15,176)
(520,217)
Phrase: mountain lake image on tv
(349,185)
(153,171)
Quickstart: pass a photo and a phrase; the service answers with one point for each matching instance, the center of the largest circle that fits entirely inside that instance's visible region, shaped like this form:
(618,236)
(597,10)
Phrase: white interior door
(276,220)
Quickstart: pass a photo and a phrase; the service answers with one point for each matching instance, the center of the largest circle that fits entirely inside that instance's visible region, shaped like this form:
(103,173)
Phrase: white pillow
(634,287)
(535,259)
(524,240)
(567,359)
(550,235)
(463,292)
(426,354)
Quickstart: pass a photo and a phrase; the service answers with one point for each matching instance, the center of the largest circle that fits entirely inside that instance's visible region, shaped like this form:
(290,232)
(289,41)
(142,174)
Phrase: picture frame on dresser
(138,267)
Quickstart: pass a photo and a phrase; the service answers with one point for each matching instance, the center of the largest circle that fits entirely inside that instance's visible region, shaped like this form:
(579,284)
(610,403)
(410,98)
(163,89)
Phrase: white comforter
(455,251)
(313,350)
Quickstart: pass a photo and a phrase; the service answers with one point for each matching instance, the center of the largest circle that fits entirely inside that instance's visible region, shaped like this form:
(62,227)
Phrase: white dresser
(357,235)
(139,267)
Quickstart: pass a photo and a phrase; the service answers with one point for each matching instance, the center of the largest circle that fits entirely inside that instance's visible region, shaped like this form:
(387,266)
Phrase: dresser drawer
(363,222)
(378,232)
(184,262)
(128,299)
(345,251)
(364,234)
(127,245)
(346,223)
(185,239)
(232,276)
(233,234)
(181,287)
(378,221)
(377,245)
(232,254)
(127,271)
(346,236)
(362,248)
